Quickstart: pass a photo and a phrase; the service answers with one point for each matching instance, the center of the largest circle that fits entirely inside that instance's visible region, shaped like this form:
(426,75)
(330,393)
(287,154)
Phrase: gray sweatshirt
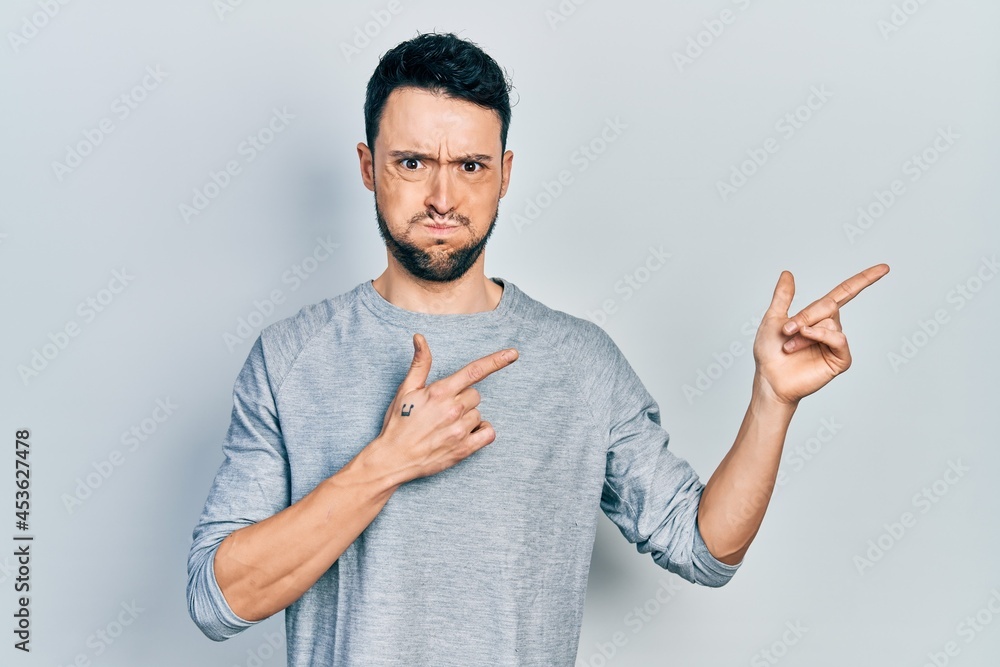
(485,563)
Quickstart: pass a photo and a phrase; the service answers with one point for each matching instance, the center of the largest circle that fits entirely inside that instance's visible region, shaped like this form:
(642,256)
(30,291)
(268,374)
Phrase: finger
(827,305)
(471,420)
(798,341)
(853,286)
(835,340)
(475,371)
(469,398)
(420,367)
(830,323)
(481,436)
(784,291)
(817,310)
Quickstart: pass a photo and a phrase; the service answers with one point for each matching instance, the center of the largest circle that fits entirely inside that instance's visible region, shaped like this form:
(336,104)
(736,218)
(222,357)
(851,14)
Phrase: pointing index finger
(475,371)
(835,299)
(851,287)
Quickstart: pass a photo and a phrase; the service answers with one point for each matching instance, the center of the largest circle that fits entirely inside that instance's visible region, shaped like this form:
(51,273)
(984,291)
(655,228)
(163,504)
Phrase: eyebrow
(468,157)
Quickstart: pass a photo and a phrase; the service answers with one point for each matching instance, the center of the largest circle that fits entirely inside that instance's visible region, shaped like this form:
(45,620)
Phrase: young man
(455,527)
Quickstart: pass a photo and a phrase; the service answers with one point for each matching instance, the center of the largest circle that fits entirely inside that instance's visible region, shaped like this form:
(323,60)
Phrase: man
(455,526)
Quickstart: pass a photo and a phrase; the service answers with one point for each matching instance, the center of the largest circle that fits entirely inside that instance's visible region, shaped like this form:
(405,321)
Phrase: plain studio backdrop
(177,176)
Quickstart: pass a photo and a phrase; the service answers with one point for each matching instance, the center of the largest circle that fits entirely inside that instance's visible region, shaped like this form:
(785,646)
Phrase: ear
(507,164)
(367,166)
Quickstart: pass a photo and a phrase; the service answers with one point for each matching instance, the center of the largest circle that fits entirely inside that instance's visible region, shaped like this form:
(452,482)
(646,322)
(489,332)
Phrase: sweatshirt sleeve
(649,492)
(250,486)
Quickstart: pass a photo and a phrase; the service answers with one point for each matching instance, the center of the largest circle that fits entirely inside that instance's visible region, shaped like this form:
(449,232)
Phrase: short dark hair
(441,63)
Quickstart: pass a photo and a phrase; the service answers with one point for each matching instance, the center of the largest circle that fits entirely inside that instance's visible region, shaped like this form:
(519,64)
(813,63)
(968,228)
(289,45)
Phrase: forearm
(263,568)
(736,496)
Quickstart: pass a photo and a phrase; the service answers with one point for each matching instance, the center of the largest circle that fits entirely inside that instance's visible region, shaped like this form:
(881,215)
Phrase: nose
(440,201)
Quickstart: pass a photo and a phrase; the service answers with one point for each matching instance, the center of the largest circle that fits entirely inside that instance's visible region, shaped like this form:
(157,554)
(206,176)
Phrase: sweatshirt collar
(416,320)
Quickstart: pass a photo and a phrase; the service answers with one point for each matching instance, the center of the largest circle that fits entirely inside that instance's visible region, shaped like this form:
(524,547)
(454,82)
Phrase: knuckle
(454,412)
(474,372)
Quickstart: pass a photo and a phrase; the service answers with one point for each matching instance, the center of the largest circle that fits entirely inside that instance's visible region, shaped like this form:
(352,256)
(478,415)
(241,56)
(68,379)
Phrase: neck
(472,293)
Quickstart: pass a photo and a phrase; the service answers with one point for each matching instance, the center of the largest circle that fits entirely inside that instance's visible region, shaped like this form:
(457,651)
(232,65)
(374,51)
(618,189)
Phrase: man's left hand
(798,355)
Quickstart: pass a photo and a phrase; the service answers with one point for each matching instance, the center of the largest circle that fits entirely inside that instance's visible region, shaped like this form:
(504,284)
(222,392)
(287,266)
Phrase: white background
(891,89)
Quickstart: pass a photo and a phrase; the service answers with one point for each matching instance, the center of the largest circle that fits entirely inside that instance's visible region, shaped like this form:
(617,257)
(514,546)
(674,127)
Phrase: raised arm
(794,357)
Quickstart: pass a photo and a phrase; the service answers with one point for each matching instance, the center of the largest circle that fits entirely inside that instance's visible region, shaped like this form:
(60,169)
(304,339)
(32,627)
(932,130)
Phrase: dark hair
(439,63)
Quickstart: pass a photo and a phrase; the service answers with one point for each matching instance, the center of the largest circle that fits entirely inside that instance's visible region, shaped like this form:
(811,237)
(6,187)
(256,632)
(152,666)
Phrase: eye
(473,164)
(406,163)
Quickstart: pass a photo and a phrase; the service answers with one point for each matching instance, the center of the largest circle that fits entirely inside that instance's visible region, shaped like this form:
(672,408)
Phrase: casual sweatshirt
(486,562)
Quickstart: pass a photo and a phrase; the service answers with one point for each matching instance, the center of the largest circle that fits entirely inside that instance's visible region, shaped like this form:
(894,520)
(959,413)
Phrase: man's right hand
(264,567)
(430,428)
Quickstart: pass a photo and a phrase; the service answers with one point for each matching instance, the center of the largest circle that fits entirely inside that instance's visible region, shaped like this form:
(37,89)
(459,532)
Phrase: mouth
(440,228)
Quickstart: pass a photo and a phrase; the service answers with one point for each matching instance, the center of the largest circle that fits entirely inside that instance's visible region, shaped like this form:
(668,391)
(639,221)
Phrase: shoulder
(577,339)
(282,342)
(603,375)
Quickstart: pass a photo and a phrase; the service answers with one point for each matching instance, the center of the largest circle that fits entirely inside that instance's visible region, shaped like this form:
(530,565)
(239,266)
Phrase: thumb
(420,367)
(784,291)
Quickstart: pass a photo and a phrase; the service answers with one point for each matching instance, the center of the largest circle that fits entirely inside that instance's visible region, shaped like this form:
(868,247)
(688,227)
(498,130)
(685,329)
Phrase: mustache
(455,217)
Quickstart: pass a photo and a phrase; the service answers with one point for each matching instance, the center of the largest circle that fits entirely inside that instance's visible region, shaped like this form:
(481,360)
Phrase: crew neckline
(390,312)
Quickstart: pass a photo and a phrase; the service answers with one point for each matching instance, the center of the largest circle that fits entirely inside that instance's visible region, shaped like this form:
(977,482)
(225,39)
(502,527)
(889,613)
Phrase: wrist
(763,398)
(371,467)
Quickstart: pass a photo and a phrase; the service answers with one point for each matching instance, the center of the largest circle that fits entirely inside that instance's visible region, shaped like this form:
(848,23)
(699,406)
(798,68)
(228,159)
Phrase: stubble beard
(438,263)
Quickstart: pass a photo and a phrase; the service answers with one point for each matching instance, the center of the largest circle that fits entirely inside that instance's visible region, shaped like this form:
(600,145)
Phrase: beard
(435,264)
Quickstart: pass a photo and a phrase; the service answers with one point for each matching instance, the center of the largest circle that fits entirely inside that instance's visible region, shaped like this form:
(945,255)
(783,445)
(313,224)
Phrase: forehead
(414,118)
